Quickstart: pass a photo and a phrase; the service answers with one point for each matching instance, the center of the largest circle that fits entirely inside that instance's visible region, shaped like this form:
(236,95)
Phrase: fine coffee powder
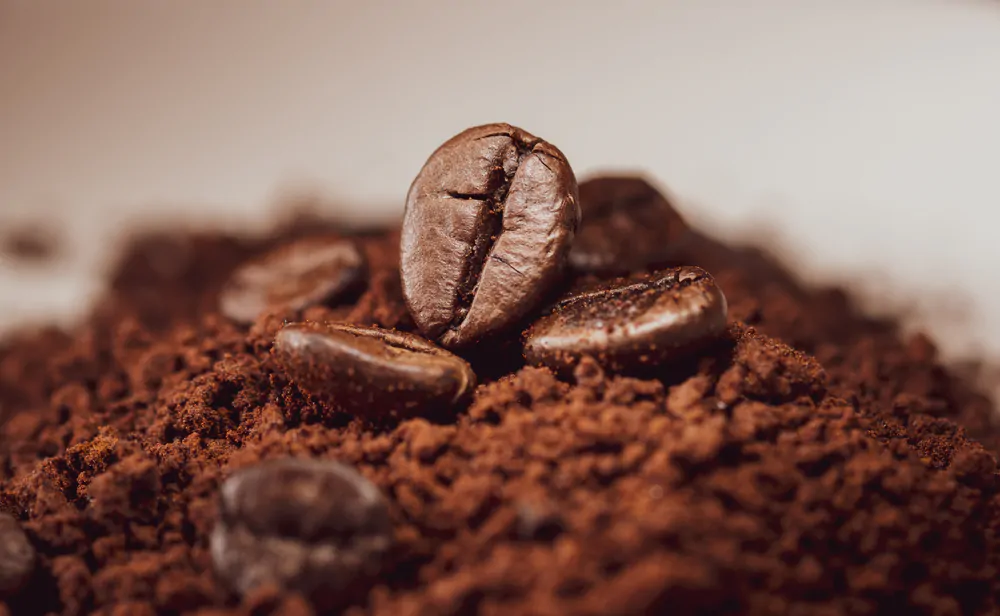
(811,461)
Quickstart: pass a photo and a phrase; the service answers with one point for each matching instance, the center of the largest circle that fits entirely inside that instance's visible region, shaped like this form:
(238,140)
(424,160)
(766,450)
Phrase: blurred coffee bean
(295,276)
(489,223)
(627,226)
(316,527)
(17,557)
(373,372)
(629,325)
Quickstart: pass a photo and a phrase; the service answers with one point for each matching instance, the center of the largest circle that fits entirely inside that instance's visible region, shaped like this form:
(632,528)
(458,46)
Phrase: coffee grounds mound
(814,461)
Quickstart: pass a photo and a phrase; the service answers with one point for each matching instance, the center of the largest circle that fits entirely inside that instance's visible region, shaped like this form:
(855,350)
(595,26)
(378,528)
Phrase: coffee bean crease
(489,221)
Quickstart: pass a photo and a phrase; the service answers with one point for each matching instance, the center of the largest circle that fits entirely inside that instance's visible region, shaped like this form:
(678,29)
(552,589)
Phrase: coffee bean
(312,526)
(17,557)
(296,276)
(489,222)
(370,371)
(624,326)
(627,226)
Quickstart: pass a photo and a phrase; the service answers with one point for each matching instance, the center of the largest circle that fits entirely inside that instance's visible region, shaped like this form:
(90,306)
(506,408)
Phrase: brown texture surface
(754,478)
(373,372)
(631,324)
(298,275)
(315,527)
(627,225)
(489,222)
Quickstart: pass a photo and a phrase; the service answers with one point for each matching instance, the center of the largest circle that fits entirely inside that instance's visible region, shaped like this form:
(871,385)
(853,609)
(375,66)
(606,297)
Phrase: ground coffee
(813,461)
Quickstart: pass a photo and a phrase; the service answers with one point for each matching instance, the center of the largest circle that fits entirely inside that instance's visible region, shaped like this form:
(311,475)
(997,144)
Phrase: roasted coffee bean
(295,276)
(312,526)
(624,326)
(627,226)
(489,222)
(17,557)
(372,372)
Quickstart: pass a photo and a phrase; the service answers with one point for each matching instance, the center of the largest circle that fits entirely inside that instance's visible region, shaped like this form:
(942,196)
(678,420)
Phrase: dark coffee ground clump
(30,244)
(813,461)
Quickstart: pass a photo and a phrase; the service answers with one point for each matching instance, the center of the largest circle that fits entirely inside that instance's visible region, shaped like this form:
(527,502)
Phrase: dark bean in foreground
(17,557)
(373,372)
(296,276)
(628,226)
(316,527)
(488,226)
(629,325)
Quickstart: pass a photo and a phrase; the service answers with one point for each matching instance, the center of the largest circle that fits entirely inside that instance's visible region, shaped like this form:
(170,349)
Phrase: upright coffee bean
(627,226)
(489,222)
(311,526)
(372,372)
(296,276)
(17,557)
(626,326)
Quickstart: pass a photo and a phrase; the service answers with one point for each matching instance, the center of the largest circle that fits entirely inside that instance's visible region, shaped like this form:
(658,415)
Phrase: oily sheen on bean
(370,371)
(17,557)
(628,226)
(296,276)
(626,325)
(488,226)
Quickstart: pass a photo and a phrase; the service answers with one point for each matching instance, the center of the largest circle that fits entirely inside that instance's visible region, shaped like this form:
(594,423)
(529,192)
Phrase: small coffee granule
(29,244)
(811,461)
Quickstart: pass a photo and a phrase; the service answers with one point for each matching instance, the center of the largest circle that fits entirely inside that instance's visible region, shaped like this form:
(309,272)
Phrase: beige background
(861,137)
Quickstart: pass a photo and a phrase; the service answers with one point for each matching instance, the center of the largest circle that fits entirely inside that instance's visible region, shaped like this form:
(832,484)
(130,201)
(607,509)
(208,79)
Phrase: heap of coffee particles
(167,458)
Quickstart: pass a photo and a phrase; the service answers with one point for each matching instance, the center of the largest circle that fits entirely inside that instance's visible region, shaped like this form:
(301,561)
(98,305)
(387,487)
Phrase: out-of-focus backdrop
(860,138)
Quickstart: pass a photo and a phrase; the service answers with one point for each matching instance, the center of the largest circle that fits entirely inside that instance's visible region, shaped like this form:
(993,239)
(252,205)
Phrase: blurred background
(860,139)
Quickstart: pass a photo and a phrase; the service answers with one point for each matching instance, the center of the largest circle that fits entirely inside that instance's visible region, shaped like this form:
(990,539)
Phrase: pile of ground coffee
(812,461)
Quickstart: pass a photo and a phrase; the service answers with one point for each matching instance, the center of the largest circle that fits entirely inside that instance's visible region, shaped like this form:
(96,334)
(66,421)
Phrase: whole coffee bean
(372,372)
(489,222)
(312,526)
(296,276)
(17,557)
(626,326)
(627,226)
